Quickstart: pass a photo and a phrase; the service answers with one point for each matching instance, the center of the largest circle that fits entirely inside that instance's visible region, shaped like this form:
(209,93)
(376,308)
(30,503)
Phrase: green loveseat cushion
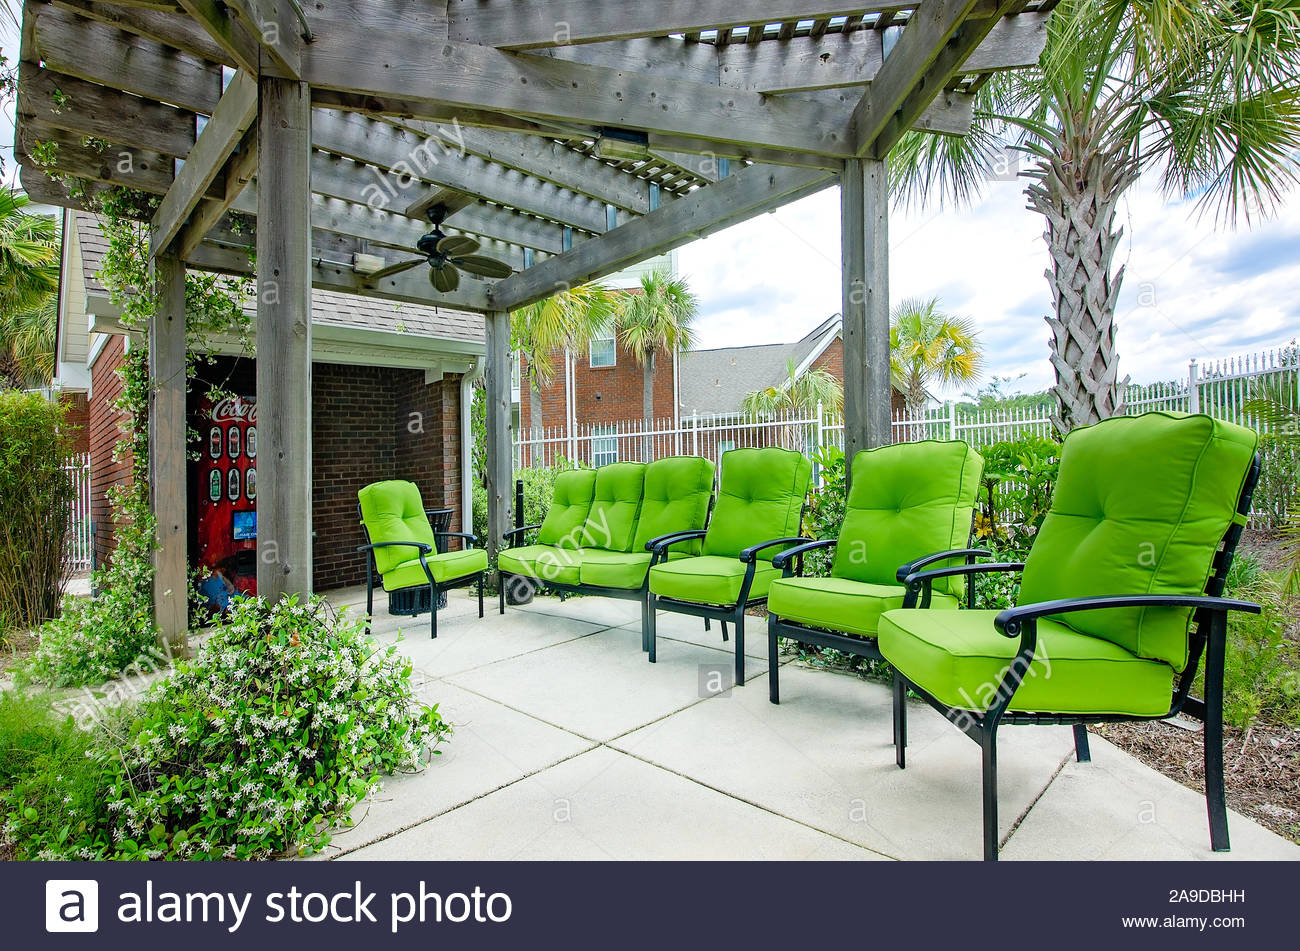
(760,498)
(616,501)
(839,604)
(617,569)
(907,501)
(1140,506)
(393,512)
(544,562)
(447,566)
(959,657)
(675,498)
(570,504)
(709,579)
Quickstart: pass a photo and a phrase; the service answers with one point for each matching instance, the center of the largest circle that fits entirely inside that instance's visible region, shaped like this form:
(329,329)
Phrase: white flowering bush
(260,746)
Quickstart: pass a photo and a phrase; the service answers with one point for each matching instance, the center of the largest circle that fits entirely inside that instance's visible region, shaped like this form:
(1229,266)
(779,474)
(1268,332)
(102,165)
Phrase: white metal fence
(80,538)
(1219,388)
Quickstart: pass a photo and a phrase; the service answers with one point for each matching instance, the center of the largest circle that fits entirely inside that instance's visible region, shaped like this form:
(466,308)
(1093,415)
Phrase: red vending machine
(227,503)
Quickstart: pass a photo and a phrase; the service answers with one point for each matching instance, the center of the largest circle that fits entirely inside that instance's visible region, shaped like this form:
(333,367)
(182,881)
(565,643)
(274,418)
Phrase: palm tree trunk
(648,407)
(1079,195)
(535,420)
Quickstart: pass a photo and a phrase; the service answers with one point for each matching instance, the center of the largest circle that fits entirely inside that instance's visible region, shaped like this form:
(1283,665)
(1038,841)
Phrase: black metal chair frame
(735,613)
(423,550)
(856,645)
(1207,638)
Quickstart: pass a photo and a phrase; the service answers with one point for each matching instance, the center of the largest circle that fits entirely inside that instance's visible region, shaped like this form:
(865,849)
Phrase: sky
(1192,288)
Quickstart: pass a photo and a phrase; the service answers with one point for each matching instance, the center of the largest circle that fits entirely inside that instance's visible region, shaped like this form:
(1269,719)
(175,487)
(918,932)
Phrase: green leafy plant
(826,504)
(1016,491)
(1261,676)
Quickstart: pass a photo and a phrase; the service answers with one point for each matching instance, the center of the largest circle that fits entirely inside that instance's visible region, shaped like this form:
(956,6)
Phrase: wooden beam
(736,198)
(239,172)
(101,162)
(500,454)
(938,38)
(284,542)
(233,116)
(408,66)
(230,35)
(540,23)
(276,29)
(167,462)
(170,27)
(864,229)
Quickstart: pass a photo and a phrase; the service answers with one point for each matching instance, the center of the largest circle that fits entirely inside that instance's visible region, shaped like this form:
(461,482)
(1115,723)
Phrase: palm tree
(1203,94)
(29,283)
(562,322)
(656,319)
(927,346)
(797,394)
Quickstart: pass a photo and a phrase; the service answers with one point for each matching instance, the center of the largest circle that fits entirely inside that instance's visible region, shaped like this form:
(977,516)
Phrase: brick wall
(78,420)
(832,359)
(601,394)
(102,435)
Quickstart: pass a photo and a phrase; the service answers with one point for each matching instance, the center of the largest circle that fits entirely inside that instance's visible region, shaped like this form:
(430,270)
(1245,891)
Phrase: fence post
(952,420)
(1193,389)
(695,434)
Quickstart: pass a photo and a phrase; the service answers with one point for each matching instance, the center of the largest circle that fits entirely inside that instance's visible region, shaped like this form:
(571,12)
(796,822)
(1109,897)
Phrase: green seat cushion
(570,504)
(675,498)
(760,498)
(1140,507)
(393,512)
(960,658)
(616,501)
(709,579)
(544,562)
(617,569)
(838,604)
(448,566)
(907,501)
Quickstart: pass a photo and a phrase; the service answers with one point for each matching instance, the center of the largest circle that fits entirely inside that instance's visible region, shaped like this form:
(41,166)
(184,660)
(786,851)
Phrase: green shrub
(1016,491)
(1261,674)
(259,746)
(826,504)
(36,497)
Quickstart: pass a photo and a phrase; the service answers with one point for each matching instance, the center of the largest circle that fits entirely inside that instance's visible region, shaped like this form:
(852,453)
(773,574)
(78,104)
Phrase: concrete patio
(569,745)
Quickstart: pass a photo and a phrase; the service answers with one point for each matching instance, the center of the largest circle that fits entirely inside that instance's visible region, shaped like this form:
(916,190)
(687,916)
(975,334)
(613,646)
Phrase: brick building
(387,403)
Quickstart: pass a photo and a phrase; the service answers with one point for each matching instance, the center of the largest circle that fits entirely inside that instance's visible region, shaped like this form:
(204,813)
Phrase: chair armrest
(1011,621)
(750,553)
(919,584)
(660,545)
(469,537)
(912,567)
(784,558)
(424,548)
(520,531)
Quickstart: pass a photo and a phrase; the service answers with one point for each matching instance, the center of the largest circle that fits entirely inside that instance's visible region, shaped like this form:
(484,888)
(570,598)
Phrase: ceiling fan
(447,256)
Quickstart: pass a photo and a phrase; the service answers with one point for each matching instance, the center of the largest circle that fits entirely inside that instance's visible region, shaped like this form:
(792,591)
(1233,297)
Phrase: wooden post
(864,228)
(167,484)
(284,536)
(497,381)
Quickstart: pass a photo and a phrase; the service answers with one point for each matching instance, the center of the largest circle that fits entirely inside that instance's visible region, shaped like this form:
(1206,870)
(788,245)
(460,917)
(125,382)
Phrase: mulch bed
(16,647)
(1261,766)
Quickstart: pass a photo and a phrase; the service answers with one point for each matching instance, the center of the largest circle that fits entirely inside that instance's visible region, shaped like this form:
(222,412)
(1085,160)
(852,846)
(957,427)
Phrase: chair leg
(724,632)
(481,576)
(433,611)
(1081,752)
(649,627)
(773,668)
(989,744)
(740,646)
(900,720)
(1215,801)
(644,632)
(501,592)
(370,600)
(708,625)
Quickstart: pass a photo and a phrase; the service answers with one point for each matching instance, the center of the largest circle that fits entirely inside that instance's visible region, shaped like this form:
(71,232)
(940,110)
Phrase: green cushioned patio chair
(410,558)
(1120,599)
(905,504)
(759,510)
(557,549)
(630,504)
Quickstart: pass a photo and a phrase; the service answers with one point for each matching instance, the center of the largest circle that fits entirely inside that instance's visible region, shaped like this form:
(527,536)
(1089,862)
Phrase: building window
(604,446)
(603,351)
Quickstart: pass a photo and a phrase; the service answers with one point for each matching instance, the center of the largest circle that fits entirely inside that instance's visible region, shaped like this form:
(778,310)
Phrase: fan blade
(393,269)
(457,245)
(483,266)
(445,278)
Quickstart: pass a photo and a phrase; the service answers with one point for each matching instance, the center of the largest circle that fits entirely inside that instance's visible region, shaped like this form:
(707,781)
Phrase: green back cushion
(393,512)
(611,522)
(761,497)
(570,504)
(675,499)
(1139,508)
(906,501)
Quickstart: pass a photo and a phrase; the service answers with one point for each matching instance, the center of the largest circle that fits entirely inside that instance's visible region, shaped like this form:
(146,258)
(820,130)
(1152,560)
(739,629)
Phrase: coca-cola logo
(235,409)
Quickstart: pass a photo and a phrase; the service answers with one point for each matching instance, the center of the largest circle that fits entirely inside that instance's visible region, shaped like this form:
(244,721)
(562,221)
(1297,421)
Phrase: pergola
(572,138)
